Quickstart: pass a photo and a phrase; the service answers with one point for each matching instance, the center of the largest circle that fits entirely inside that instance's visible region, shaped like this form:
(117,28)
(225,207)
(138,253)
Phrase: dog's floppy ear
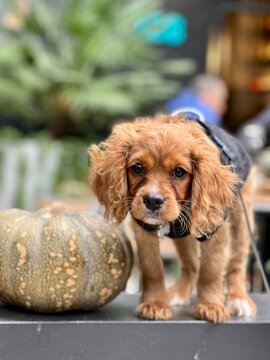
(107,175)
(213,189)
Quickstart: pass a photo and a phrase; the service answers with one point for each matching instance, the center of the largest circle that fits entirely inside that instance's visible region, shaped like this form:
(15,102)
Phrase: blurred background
(70,69)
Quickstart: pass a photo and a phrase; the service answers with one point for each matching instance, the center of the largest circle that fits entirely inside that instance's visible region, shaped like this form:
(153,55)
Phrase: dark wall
(199,14)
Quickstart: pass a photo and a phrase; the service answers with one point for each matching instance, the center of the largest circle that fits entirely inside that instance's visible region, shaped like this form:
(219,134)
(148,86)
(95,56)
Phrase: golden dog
(167,171)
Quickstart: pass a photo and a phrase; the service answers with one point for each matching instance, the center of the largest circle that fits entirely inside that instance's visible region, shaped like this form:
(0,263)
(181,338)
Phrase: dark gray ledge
(114,333)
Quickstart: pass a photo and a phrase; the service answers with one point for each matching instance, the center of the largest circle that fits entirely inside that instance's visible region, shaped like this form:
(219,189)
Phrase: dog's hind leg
(238,301)
(188,251)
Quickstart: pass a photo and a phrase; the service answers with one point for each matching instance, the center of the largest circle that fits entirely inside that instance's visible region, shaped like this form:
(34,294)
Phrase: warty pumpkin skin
(56,260)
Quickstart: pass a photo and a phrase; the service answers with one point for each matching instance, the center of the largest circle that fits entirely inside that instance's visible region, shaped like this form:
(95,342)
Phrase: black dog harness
(231,153)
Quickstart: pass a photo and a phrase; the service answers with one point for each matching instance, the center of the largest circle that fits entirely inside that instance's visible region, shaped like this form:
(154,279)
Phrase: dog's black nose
(153,201)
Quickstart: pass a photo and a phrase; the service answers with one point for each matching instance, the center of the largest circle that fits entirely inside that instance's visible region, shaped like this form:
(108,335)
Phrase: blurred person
(205,95)
(255,132)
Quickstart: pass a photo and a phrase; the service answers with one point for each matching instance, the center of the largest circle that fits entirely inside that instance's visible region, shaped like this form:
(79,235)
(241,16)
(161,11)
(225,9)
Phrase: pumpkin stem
(58,209)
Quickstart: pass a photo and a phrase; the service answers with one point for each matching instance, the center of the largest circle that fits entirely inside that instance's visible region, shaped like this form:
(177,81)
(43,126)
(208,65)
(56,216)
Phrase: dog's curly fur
(160,145)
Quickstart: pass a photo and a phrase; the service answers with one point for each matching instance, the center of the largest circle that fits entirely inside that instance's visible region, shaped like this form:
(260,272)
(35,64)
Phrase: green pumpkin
(56,260)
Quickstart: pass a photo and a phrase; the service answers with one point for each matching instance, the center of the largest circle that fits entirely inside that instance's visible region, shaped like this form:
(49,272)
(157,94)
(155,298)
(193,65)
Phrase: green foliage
(80,65)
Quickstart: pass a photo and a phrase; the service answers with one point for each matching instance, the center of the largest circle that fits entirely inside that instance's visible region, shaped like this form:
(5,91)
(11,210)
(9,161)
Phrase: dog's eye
(179,172)
(137,169)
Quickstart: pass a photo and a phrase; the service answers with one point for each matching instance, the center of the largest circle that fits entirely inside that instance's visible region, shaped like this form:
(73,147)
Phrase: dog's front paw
(242,307)
(154,311)
(211,312)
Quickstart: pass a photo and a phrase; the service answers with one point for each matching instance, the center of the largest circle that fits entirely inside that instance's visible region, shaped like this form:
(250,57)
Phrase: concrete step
(114,333)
